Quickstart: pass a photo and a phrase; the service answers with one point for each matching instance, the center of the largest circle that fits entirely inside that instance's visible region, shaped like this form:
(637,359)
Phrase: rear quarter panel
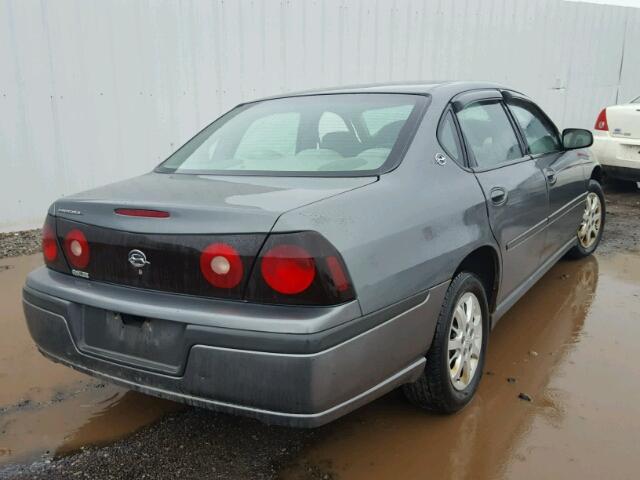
(406,232)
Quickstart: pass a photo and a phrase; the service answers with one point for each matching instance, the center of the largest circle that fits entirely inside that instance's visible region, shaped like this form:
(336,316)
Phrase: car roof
(448,88)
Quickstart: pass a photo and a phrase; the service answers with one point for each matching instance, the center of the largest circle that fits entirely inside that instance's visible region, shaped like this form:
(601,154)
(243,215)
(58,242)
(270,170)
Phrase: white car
(616,141)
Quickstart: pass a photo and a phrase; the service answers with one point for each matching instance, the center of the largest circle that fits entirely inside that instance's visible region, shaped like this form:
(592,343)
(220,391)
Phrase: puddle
(47,409)
(24,374)
(571,344)
(88,418)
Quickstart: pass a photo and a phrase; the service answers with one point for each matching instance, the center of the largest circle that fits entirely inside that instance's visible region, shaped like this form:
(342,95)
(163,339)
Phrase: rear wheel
(591,227)
(456,357)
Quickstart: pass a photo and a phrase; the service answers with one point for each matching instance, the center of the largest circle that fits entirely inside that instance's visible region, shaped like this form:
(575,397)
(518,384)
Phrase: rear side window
(448,137)
(539,132)
(489,133)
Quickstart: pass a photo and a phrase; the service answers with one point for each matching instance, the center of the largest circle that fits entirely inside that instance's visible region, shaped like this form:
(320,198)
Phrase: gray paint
(566,195)
(400,234)
(291,389)
(519,223)
(207,312)
(201,203)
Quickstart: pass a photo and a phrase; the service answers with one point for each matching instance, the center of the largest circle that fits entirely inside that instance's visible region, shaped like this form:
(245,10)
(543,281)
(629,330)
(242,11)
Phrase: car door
(563,171)
(514,187)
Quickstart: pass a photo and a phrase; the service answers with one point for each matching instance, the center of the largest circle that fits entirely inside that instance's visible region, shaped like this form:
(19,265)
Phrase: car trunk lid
(624,121)
(164,253)
(201,203)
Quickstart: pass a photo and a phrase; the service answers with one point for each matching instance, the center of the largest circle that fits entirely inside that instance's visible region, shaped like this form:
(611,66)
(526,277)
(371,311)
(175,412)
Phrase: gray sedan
(307,253)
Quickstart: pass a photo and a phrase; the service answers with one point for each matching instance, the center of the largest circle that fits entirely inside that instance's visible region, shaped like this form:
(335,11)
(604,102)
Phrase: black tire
(434,390)
(580,251)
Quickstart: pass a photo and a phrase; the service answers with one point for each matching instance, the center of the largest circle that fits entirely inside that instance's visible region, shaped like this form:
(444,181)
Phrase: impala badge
(138,260)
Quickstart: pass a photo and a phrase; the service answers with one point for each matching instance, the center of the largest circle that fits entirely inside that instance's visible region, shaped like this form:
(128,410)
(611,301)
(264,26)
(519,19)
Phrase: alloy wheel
(465,341)
(591,221)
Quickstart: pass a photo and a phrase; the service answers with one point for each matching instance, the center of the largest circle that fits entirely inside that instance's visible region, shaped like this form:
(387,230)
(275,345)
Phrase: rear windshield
(337,134)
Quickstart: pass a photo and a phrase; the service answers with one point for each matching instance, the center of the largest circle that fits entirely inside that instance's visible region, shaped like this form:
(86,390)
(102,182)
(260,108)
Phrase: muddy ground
(569,344)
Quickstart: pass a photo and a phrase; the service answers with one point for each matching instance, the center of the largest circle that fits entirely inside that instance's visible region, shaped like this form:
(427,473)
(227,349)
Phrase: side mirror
(573,138)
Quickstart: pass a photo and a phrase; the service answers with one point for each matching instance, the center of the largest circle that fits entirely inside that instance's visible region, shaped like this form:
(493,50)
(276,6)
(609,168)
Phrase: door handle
(498,195)
(550,174)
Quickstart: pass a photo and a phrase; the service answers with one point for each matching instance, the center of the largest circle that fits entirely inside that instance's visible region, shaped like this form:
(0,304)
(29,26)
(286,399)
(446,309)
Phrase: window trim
(464,99)
(509,96)
(396,156)
(524,147)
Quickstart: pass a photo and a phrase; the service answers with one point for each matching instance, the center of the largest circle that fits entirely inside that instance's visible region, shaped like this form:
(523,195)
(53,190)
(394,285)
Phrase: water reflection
(390,439)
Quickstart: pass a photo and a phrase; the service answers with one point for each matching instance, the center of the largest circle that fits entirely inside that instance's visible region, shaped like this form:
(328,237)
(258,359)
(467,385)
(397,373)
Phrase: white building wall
(93,91)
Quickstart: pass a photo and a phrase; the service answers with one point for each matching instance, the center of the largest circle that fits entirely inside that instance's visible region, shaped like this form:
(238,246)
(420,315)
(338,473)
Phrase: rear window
(337,134)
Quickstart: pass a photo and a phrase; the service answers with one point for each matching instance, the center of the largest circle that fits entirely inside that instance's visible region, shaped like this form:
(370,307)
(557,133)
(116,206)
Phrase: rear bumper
(619,157)
(296,379)
(623,173)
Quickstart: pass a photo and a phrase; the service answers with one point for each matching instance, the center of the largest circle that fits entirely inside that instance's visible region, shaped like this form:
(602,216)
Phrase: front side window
(539,132)
(489,133)
(315,134)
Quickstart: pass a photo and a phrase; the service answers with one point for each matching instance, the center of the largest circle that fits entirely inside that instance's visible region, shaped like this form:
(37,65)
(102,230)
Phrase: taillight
(300,268)
(76,248)
(288,269)
(601,122)
(49,243)
(221,265)
(338,274)
(53,258)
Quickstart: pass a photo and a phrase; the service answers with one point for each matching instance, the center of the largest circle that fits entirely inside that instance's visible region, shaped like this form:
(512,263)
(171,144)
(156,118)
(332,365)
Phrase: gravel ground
(621,231)
(194,444)
(201,444)
(15,244)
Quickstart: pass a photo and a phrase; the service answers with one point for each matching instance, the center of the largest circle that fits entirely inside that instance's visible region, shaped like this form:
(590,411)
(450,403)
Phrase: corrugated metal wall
(92,91)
